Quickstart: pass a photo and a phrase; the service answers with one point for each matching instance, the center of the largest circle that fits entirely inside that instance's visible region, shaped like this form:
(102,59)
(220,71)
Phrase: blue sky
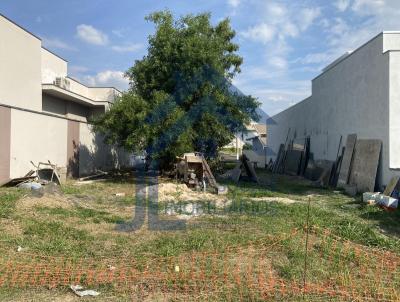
(284,43)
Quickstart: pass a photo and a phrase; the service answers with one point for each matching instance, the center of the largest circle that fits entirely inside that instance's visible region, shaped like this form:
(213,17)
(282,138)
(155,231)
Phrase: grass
(8,198)
(83,224)
(82,213)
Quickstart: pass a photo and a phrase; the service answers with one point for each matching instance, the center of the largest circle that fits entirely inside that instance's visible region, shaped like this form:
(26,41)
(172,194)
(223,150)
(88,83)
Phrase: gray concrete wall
(53,105)
(353,96)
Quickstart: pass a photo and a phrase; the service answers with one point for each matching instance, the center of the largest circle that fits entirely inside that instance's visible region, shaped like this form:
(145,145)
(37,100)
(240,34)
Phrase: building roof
(260,128)
(263,140)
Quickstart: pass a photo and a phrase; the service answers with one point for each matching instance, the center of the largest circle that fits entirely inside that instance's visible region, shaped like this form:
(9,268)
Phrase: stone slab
(292,162)
(365,164)
(345,167)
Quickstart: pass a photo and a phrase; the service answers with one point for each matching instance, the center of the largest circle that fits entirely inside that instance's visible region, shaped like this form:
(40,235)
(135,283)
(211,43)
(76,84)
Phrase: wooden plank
(347,159)
(209,174)
(391,186)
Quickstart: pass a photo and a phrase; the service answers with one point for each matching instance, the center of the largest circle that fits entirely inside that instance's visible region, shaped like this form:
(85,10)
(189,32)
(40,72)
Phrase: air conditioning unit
(62,83)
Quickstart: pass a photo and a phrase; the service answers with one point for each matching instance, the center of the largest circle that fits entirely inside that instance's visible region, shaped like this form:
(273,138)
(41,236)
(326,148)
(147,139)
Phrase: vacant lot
(243,246)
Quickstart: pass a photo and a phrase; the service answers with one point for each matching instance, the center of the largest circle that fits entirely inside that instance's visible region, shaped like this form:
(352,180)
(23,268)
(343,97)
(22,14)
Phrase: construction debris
(380,199)
(354,169)
(293,157)
(244,169)
(344,172)
(365,164)
(98,175)
(16,181)
(47,172)
(194,170)
(78,290)
(30,186)
(44,174)
(391,187)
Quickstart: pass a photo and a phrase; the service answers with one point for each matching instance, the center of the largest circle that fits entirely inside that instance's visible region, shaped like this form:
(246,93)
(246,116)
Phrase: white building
(44,113)
(358,93)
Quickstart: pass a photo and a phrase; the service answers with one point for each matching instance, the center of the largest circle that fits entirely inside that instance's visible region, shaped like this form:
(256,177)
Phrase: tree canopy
(180,97)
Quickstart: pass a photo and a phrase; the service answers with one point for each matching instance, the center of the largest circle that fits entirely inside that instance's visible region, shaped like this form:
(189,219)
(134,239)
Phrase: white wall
(52,67)
(78,88)
(103,94)
(394,110)
(350,97)
(37,138)
(20,70)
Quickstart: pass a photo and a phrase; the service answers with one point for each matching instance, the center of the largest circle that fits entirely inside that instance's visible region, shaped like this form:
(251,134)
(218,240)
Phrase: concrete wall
(394,110)
(20,67)
(94,154)
(350,97)
(38,138)
(53,105)
(77,112)
(78,88)
(5,139)
(33,125)
(103,94)
(52,67)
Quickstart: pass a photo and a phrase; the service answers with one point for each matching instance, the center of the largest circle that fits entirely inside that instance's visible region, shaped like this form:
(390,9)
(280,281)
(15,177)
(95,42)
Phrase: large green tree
(181,98)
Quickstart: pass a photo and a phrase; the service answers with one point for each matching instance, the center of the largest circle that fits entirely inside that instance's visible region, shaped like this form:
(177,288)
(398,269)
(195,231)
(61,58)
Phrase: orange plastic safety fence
(338,270)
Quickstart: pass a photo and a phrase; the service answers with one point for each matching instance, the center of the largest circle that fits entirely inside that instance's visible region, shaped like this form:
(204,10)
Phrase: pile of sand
(274,199)
(171,192)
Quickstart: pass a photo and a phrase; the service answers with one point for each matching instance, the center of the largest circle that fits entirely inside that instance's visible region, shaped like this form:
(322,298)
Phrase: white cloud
(342,5)
(307,16)
(118,32)
(113,78)
(290,30)
(282,22)
(263,33)
(368,6)
(234,3)
(275,12)
(91,35)
(325,23)
(339,27)
(131,47)
(278,62)
(56,43)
